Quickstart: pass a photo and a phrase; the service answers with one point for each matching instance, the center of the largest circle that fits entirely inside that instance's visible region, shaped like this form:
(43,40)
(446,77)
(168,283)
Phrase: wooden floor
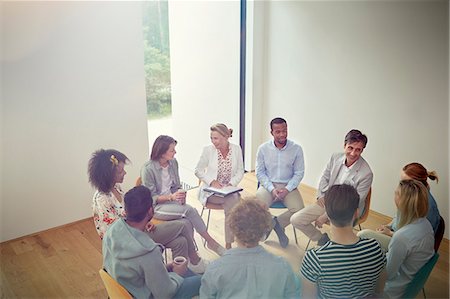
(64,262)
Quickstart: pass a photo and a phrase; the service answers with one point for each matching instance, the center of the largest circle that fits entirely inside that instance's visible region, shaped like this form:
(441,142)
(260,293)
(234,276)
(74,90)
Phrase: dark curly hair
(102,168)
(249,221)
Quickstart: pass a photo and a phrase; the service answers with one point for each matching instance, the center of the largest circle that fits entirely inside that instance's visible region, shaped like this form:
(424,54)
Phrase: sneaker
(200,268)
(324,239)
(284,240)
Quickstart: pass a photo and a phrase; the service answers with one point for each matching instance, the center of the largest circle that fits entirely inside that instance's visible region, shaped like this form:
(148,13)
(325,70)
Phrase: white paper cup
(179,260)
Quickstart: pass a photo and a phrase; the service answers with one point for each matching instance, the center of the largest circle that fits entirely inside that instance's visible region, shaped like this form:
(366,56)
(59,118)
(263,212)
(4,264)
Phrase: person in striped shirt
(346,266)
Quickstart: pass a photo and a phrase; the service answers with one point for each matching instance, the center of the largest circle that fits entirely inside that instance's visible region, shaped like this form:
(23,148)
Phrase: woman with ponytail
(411,171)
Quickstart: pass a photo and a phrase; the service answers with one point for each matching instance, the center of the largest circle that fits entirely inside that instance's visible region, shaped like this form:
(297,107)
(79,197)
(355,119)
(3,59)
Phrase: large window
(157,59)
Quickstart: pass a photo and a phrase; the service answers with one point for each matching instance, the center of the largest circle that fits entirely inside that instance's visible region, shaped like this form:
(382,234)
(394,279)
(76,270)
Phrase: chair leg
(195,244)
(201,214)
(295,235)
(309,241)
(424,296)
(207,225)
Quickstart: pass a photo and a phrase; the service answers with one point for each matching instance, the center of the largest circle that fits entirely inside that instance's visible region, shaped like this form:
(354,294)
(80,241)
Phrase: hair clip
(114,160)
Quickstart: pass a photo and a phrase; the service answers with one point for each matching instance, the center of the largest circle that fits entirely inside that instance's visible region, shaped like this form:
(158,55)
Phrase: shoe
(284,240)
(200,268)
(324,239)
(270,230)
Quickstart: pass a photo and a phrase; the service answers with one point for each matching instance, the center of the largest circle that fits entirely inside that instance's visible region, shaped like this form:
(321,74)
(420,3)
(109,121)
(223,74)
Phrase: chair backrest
(115,290)
(419,280)
(439,234)
(138,181)
(366,208)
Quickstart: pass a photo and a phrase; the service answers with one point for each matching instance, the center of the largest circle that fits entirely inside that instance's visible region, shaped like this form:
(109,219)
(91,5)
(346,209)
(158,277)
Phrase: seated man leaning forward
(279,170)
(346,266)
(249,271)
(134,260)
(343,168)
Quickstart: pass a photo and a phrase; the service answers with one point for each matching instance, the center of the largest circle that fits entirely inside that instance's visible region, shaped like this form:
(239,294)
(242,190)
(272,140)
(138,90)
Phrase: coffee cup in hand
(179,260)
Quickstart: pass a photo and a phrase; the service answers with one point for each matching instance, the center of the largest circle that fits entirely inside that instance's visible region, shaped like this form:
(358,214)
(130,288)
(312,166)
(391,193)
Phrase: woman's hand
(150,227)
(216,184)
(180,196)
(385,230)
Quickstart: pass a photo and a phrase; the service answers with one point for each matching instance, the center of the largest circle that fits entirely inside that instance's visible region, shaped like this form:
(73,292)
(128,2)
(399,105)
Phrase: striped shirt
(344,271)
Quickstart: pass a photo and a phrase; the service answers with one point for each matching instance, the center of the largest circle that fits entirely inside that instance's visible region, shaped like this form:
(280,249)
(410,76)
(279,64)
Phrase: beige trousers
(381,238)
(293,202)
(303,220)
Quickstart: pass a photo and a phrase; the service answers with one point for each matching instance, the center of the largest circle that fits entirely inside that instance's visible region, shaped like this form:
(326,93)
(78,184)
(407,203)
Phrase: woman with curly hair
(106,173)
(249,271)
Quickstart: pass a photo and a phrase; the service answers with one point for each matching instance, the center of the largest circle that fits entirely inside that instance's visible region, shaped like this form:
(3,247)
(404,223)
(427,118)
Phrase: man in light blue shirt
(280,168)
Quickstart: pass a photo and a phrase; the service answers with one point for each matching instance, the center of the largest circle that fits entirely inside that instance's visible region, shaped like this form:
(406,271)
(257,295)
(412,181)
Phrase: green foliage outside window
(157,59)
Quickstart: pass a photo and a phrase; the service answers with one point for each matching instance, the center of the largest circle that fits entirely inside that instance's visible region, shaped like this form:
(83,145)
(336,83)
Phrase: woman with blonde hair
(412,245)
(416,171)
(160,175)
(220,165)
(411,171)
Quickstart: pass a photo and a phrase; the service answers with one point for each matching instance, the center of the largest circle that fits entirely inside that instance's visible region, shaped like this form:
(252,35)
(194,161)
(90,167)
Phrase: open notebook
(223,191)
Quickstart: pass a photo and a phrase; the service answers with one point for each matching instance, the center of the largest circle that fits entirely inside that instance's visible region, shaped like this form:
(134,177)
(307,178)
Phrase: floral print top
(224,168)
(106,209)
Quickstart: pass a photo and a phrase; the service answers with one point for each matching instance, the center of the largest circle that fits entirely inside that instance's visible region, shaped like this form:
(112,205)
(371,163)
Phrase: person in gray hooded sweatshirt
(133,259)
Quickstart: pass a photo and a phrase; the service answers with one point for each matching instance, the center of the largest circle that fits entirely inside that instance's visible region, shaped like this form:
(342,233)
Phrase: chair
(364,215)
(115,290)
(419,280)
(439,234)
(209,207)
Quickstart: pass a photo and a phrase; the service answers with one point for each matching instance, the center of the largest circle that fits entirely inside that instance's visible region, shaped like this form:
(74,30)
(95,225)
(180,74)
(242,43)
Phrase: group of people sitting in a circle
(344,265)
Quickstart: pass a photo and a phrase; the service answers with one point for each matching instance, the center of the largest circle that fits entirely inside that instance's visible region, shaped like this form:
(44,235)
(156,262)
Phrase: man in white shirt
(343,168)
(279,169)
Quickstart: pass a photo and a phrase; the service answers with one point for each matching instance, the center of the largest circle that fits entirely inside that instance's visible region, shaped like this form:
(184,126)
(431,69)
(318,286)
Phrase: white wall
(204,62)
(255,60)
(381,67)
(72,82)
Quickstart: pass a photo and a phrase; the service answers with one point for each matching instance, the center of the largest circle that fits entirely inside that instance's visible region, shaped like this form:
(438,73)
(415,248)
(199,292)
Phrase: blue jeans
(190,286)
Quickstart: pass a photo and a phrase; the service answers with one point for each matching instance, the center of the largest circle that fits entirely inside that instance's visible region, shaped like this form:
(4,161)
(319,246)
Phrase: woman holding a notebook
(160,175)
(220,167)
